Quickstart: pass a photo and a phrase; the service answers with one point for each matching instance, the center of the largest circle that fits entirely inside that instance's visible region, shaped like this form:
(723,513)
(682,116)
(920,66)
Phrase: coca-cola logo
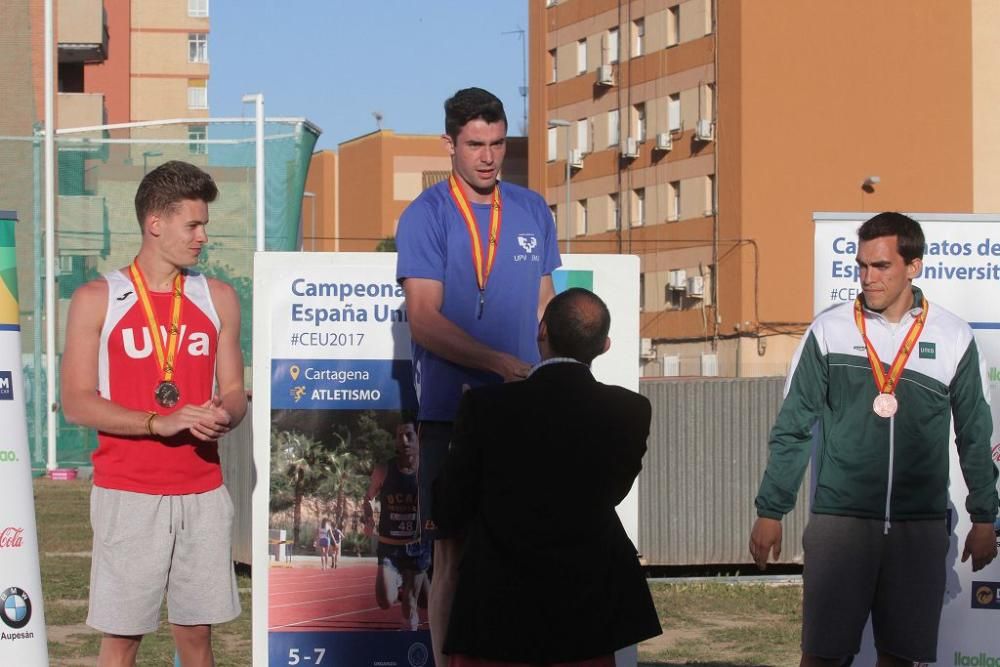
(996,452)
(11,538)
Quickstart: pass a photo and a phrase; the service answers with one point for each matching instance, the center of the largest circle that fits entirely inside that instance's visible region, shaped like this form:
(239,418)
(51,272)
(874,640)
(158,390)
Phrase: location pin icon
(294,372)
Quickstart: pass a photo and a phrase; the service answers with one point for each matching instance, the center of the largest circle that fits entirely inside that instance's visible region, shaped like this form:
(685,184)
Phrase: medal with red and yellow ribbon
(885,404)
(482,258)
(166,393)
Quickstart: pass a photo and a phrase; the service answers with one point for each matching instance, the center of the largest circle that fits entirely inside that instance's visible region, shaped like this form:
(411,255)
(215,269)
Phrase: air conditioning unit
(606,75)
(630,148)
(671,365)
(696,286)
(664,142)
(677,280)
(704,130)
(576,158)
(646,350)
(551,3)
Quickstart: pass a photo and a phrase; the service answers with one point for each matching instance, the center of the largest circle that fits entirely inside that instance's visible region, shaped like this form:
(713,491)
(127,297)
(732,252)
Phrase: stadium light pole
(258,101)
(50,232)
(558,122)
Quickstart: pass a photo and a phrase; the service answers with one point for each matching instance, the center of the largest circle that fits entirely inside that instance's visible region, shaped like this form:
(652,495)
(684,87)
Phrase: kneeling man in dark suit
(535,470)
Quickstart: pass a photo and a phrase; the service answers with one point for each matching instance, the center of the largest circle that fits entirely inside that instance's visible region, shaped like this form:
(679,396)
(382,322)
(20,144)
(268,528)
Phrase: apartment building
(355,195)
(702,135)
(132,60)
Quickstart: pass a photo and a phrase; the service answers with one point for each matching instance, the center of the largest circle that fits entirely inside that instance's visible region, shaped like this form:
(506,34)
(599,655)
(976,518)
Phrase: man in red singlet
(153,363)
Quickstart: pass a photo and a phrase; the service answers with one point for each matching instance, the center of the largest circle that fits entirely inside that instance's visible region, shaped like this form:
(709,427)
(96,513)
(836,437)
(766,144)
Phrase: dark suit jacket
(533,476)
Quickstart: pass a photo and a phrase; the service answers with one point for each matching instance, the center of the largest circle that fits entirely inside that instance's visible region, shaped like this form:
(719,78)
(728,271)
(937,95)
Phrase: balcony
(79,110)
(82,31)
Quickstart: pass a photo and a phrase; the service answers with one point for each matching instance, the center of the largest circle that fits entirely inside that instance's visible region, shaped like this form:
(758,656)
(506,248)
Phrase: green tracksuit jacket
(868,466)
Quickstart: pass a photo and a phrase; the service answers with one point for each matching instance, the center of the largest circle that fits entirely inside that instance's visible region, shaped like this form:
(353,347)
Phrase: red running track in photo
(310,599)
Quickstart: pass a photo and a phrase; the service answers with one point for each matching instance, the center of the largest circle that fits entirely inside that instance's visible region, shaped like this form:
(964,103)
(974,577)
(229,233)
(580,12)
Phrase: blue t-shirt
(433,242)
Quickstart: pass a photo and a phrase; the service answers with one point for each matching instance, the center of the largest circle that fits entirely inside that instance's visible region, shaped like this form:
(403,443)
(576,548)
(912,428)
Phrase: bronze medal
(885,405)
(167,394)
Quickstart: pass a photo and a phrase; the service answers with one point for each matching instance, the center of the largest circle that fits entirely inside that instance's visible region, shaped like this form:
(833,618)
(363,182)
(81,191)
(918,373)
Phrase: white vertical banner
(22,621)
(332,360)
(961,272)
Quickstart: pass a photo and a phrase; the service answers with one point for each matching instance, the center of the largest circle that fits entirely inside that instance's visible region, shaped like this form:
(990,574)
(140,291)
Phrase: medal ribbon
(166,362)
(482,264)
(886,384)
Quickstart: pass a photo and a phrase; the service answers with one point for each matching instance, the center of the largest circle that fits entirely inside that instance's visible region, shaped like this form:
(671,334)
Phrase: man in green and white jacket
(883,376)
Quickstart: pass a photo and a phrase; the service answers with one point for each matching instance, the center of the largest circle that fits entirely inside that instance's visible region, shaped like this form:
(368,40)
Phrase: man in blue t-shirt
(475,260)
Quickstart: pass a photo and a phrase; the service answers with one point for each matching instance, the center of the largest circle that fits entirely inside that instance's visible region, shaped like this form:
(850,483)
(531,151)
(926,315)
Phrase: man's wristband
(149,423)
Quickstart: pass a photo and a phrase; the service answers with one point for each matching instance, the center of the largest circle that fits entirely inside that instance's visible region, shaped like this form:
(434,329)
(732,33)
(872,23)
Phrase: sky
(335,62)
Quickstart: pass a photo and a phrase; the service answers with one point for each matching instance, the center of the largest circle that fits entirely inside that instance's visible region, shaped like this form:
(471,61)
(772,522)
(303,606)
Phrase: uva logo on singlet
(198,343)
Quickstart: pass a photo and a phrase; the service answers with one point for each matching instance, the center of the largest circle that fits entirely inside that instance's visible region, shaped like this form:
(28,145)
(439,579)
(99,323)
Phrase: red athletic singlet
(128,374)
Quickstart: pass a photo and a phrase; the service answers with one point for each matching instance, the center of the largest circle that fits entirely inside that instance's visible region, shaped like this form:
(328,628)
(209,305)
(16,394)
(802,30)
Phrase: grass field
(705,624)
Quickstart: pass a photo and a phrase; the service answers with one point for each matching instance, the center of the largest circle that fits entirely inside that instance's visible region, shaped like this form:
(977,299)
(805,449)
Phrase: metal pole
(37,457)
(258,100)
(553,123)
(569,216)
(50,234)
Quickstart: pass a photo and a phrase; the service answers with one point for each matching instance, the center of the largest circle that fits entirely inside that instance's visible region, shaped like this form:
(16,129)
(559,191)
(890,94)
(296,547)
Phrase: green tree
(388,244)
(299,465)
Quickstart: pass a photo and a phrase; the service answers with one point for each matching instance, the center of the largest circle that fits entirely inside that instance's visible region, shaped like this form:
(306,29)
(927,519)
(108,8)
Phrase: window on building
(581,217)
(583,135)
(639,207)
(196,135)
(553,139)
(710,194)
(642,291)
(581,56)
(553,210)
(197,94)
(614,210)
(708,101)
(553,66)
(674,112)
(673,25)
(673,295)
(640,121)
(638,37)
(197,47)
(614,122)
(611,46)
(675,201)
(198,8)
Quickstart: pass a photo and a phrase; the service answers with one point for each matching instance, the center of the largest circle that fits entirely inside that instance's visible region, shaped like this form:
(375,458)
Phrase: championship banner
(961,272)
(22,621)
(333,403)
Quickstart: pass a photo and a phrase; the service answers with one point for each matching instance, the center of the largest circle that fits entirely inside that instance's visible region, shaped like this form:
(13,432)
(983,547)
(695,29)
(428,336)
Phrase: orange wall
(827,94)
(321,181)
(112,77)
(361,178)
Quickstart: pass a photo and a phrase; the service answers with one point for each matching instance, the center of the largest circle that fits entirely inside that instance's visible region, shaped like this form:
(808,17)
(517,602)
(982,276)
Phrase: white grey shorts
(145,545)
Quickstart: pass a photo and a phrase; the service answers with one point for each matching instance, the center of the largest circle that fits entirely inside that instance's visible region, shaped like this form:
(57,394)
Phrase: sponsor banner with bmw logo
(961,272)
(332,368)
(22,623)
